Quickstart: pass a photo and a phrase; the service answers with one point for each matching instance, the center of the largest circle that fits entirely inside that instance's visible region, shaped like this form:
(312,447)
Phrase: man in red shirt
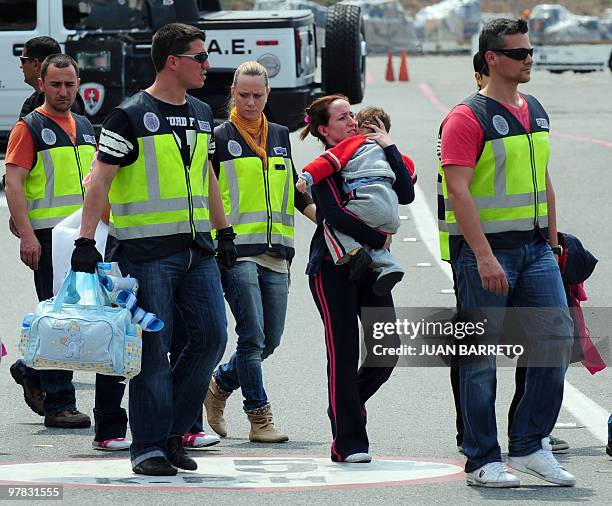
(498,214)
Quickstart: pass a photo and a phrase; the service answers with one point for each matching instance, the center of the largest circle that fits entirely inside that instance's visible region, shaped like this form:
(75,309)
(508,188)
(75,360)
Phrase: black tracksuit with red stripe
(339,302)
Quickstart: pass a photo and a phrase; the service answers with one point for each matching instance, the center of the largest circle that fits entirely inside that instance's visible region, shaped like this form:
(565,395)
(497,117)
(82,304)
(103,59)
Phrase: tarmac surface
(411,419)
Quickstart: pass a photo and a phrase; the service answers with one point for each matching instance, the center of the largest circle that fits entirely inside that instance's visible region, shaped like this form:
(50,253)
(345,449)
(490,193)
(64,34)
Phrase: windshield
(105,14)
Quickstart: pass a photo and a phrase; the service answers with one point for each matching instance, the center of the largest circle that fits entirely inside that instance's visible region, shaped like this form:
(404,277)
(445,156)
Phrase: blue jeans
(56,384)
(258,299)
(535,281)
(165,400)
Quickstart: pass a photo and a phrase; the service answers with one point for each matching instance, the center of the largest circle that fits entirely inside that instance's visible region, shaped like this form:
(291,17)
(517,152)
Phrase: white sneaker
(199,440)
(112,445)
(544,465)
(358,458)
(493,475)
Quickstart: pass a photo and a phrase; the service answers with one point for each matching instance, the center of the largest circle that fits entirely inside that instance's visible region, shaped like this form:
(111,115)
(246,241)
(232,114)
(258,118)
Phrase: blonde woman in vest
(257,179)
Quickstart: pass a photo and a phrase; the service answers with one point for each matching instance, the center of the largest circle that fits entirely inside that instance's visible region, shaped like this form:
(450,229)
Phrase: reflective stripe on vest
(53,187)
(259,214)
(149,202)
(505,210)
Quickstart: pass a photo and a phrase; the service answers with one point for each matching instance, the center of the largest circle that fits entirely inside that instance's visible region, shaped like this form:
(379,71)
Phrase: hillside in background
(590,7)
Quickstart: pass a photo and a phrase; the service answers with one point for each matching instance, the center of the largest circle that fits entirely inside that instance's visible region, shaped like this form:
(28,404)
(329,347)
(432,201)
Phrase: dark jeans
(535,281)
(258,299)
(57,385)
(109,417)
(165,400)
(340,302)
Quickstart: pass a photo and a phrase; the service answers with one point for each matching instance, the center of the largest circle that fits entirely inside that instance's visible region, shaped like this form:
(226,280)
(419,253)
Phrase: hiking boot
(543,465)
(558,445)
(178,456)
(492,475)
(68,419)
(214,403)
(32,393)
(155,466)
(262,427)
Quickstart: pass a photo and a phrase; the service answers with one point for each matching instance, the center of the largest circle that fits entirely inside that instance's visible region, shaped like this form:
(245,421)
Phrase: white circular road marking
(237,473)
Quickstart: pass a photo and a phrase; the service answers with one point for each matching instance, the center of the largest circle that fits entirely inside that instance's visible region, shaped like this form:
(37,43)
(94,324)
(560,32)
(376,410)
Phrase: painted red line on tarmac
(580,138)
(368,77)
(431,96)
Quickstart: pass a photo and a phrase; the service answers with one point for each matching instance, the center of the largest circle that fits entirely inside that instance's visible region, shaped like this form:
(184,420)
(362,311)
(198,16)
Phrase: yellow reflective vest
(259,203)
(157,195)
(54,185)
(509,182)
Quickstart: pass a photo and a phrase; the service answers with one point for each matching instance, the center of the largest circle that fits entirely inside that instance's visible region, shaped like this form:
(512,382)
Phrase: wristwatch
(557,250)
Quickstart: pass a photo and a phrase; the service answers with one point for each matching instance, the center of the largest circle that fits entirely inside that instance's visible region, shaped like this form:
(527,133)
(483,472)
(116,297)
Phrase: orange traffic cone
(403,72)
(389,76)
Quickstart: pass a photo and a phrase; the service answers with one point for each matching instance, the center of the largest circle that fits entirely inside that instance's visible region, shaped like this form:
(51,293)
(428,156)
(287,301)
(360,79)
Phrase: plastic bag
(63,236)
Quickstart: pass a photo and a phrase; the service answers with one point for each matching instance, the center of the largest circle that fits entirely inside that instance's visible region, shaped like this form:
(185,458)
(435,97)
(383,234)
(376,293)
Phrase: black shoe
(32,393)
(178,456)
(359,264)
(609,449)
(155,466)
(68,419)
(384,284)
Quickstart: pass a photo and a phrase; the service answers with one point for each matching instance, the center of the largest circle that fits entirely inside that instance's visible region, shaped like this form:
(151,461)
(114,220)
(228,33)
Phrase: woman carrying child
(340,299)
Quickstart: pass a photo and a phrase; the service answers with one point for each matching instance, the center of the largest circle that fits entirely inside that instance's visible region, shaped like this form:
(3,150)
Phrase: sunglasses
(519,53)
(24,59)
(198,57)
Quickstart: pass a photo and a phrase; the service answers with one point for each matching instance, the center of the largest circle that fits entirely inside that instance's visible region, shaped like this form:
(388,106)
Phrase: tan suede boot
(214,403)
(262,427)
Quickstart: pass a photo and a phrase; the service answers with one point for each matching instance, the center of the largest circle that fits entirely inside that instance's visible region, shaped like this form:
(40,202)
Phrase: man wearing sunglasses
(153,165)
(499,213)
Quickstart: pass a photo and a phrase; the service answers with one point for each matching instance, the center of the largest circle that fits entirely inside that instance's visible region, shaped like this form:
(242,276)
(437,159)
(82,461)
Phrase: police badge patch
(48,136)
(280,151)
(234,148)
(500,124)
(151,122)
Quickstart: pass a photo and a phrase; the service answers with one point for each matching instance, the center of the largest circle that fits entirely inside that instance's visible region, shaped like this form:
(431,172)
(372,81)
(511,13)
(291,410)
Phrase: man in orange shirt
(43,185)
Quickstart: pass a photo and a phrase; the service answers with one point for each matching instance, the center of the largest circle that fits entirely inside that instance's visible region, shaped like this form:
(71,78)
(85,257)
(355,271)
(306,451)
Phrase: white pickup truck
(111,42)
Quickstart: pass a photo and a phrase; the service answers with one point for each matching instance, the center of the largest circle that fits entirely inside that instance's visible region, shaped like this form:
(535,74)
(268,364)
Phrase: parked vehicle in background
(565,41)
(111,42)
(448,26)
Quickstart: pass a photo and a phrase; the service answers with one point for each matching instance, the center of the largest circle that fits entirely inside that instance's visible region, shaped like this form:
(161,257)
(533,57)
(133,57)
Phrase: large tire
(343,66)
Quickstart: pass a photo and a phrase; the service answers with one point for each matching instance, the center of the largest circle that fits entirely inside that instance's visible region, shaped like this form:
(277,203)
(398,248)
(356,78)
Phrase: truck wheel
(343,65)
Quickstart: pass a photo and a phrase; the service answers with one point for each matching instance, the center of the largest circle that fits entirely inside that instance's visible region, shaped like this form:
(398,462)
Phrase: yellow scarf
(253,129)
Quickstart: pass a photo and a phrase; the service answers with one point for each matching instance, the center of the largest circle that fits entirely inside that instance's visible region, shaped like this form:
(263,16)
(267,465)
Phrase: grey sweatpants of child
(376,205)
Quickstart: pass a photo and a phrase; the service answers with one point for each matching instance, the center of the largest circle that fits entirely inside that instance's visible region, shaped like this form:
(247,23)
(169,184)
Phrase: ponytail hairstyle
(317,114)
